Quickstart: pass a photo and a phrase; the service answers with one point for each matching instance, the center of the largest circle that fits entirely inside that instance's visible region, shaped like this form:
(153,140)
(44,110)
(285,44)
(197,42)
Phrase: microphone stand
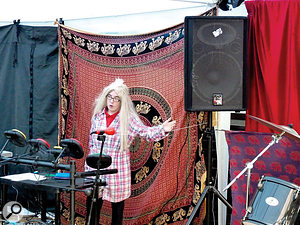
(249,166)
(101,137)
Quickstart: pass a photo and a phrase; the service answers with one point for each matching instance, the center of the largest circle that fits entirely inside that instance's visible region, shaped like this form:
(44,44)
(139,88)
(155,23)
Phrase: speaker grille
(215,55)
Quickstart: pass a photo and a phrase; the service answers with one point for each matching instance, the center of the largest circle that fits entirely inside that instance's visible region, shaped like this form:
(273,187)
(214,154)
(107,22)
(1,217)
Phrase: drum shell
(276,202)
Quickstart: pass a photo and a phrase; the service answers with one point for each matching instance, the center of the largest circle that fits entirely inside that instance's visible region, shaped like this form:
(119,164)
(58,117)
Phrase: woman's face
(113,102)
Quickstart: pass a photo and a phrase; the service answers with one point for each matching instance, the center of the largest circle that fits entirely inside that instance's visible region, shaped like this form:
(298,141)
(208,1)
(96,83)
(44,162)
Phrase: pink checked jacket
(118,186)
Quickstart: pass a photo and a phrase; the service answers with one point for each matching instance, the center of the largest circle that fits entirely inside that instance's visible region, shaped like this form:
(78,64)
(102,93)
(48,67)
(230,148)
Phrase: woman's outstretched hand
(168,125)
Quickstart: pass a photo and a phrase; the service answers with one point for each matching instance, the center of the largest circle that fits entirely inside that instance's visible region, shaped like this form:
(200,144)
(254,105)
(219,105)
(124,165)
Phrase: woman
(114,108)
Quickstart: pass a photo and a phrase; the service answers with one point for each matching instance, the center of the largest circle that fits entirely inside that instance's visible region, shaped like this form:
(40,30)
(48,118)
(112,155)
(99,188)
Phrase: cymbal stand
(101,137)
(249,166)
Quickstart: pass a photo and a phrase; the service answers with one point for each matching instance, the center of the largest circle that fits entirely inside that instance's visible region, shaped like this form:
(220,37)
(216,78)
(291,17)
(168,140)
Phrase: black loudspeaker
(215,54)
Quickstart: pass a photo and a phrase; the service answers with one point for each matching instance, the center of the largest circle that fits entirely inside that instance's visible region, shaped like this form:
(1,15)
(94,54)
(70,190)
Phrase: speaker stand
(209,189)
(209,132)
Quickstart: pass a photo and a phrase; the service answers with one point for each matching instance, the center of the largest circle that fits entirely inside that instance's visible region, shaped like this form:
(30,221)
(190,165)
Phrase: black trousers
(93,215)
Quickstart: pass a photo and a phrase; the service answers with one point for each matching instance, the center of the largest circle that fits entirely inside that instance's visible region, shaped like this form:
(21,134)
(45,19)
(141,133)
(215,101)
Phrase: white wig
(126,111)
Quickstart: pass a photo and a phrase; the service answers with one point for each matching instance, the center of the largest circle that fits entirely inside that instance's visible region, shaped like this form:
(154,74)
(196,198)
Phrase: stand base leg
(206,190)
(93,207)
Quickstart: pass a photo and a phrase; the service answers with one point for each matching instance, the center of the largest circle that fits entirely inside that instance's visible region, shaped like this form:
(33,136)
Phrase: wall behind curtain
(28,88)
(274,52)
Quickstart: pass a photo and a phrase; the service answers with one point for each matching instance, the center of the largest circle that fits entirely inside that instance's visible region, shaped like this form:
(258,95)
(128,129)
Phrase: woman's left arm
(155,133)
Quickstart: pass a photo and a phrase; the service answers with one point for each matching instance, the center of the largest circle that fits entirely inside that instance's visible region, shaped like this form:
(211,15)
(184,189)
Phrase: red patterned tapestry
(280,161)
(167,176)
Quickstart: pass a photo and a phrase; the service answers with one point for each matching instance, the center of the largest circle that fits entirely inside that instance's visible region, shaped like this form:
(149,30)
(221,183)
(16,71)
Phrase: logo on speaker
(217,99)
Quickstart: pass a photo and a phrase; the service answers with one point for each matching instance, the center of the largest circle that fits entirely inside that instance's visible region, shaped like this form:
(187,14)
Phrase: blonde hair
(127,109)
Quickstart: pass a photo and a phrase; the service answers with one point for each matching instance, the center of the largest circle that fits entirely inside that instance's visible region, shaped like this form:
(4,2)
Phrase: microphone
(17,137)
(39,142)
(108,131)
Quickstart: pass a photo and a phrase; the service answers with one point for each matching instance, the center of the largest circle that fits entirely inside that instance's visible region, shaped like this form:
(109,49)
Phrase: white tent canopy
(114,17)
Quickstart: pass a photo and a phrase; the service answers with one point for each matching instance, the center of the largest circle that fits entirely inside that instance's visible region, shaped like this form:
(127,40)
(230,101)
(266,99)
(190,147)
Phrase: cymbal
(284,130)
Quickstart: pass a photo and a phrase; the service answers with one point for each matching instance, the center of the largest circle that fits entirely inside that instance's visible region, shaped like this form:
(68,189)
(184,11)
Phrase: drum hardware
(14,136)
(277,203)
(70,147)
(249,166)
(283,130)
(34,162)
(260,184)
(94,173)
(296,194)
(72,193)
(97,161)
(250,209)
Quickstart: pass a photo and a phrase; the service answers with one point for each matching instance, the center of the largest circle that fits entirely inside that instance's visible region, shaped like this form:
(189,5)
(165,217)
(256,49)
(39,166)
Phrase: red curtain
(273,65)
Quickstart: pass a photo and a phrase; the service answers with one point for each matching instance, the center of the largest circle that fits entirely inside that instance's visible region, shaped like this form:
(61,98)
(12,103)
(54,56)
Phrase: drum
(276,202)
(94,159)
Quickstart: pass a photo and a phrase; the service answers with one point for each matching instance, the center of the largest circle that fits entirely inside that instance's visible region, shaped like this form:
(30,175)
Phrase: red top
(110,118)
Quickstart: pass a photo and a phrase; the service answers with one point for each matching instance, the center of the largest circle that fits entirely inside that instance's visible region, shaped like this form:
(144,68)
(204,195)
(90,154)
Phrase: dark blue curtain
(28,90)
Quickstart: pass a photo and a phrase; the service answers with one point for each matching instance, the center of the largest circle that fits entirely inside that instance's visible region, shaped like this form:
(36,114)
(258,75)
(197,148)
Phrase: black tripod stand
(94,208)
(209,189)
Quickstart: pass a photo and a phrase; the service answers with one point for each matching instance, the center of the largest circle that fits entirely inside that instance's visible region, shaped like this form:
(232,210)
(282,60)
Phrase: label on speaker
(217,99)
(271,201)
